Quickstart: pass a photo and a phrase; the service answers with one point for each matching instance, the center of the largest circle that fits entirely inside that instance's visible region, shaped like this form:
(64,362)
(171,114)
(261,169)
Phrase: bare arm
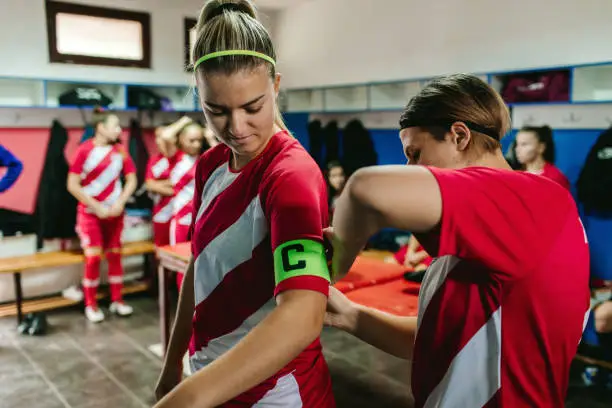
(279,338)
(412,256)
(131,182)
(181,331)
(73,185)
(163,187)
(404,197)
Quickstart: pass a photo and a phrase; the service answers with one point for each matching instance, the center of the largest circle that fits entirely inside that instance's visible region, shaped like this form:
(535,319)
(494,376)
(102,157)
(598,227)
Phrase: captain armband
(301,257)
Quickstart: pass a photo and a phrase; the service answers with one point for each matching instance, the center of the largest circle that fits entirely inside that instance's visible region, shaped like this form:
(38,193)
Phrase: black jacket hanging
(357,147)
(315,134)
(594,185)
(332,142)
(140,155)
(55,215)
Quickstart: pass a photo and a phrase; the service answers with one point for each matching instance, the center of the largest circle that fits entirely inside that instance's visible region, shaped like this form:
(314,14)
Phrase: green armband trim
(301,257)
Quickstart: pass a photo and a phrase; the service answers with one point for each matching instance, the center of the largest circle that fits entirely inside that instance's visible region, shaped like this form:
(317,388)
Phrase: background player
(535,151)
(253,300)
(510,252)
(94,180)
(158,181)
(189,140)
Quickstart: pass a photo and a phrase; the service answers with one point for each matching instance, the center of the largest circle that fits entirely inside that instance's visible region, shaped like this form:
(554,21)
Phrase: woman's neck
(494,160)
(99,140)
(535,166)
(240,161)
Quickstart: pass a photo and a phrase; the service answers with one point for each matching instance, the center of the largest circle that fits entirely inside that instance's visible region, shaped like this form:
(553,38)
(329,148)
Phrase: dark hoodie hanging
(595,181)
(358,147)
(332,142)
(315,134)
(55,215)
(140,156)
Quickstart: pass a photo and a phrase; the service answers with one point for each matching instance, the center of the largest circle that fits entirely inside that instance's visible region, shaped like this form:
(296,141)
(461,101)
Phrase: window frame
(188,24)
(52,8)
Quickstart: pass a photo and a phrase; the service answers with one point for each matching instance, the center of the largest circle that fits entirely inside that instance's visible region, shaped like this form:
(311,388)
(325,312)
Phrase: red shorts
(161,233)
(99,233)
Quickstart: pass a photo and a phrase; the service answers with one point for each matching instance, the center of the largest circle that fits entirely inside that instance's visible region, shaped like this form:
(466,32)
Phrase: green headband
(233,52)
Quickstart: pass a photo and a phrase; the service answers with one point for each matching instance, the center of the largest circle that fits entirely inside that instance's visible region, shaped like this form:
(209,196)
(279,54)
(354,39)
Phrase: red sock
(91,279)
(115,275)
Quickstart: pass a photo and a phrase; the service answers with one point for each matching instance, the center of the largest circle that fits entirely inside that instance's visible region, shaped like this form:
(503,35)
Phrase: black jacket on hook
(595,182)
(332,142)
(315,135)
(55,215)
(358,147)
(140,156)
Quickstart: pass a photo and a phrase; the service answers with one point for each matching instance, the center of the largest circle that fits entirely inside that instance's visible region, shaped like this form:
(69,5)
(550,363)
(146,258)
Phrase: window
(87,35)
(190,38)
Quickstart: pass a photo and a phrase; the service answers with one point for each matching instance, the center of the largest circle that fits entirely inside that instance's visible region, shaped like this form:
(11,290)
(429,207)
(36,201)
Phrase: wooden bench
(22,264)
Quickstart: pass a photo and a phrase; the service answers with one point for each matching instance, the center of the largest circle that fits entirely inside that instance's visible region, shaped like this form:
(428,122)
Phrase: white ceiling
(278,4)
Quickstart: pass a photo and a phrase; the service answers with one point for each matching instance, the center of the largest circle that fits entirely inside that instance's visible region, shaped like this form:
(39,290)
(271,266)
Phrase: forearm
(392,334)
(128,189)
(275,342)
(158,187)
(420,257)
(77,192)
(170,132)
(181,331)
(354,223)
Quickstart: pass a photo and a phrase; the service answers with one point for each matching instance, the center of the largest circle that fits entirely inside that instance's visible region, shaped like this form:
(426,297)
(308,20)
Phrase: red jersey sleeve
(499,218)
(149,172)
(295,205)
(78,160)
(197,193)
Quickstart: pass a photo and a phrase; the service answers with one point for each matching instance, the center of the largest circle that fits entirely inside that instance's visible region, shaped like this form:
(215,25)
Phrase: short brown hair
(460,98)
(232,25)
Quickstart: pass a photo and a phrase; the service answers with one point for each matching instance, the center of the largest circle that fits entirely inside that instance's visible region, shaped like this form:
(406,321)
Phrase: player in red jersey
(94,179)
(535,151)
(158,179)
(503,305)
(183,145)
(253,301)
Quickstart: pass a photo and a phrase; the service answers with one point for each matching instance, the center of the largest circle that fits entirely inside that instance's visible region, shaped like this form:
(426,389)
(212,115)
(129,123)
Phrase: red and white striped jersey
(158,168)
(240,219)
(182,176)
(100,169)
(503,306)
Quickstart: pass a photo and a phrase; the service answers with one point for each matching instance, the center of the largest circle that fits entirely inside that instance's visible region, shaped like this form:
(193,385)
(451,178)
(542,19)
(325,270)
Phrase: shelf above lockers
(303,100)
(592,83)
(563,116)
(346,98)
(21,92)
(393,95)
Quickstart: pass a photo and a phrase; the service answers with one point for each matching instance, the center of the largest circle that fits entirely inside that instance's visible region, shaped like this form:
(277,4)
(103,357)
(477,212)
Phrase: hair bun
(216,8)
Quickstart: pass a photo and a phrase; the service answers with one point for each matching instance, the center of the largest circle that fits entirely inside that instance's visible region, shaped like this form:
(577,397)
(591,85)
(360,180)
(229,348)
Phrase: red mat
(398,297)
(368,272)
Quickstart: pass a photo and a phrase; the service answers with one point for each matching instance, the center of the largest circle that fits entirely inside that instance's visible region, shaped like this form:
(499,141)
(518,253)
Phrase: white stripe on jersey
(159,167)
(218,181)
(181,168)
(183,197)
(95,156)
(223,254)
(104,179)
(474,375)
